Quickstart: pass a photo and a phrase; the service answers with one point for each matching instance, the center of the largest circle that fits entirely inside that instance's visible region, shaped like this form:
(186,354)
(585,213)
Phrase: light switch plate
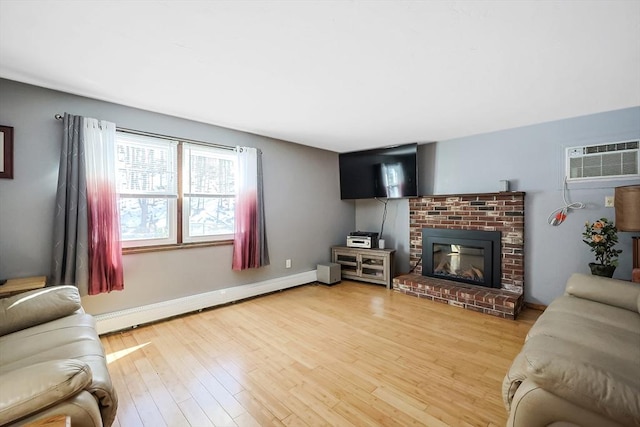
(609,201)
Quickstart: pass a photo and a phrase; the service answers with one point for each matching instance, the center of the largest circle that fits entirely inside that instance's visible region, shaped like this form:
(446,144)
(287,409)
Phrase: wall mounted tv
(390,172)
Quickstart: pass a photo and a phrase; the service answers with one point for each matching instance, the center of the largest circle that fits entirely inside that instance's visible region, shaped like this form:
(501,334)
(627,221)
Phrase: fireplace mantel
(500,193)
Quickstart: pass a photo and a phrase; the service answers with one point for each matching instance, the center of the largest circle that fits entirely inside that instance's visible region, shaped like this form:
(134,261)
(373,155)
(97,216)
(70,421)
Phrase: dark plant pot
(602,270)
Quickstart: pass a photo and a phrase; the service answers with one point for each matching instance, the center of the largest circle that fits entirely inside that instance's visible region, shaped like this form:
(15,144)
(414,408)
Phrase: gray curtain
(70,231)
(262,227)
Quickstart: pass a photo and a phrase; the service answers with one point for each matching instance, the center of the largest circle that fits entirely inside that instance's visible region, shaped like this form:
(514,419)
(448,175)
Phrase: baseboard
(539,307)
(123,319)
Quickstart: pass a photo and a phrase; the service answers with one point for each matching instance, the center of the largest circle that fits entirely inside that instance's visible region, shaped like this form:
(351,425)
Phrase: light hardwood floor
(350,354)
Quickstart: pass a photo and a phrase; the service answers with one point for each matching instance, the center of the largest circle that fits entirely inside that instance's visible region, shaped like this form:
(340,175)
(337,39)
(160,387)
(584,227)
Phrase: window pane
(209,216)
(209,171)
(145,165)
(145,218)
(209,193)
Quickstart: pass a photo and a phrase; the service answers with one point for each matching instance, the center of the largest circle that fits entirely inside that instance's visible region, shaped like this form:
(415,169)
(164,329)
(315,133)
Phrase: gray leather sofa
(580,363)
(52,361)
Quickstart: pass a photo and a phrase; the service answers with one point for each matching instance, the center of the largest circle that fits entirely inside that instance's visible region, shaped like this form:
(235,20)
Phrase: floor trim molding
(539,307)
(123,319)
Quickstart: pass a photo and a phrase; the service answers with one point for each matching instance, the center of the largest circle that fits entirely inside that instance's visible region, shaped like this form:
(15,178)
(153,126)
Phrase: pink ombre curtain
(105,249)
(87,250)
(250,239)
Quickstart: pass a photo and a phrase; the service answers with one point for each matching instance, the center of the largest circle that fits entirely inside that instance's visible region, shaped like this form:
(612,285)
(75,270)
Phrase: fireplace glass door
(469,256)
(458,261)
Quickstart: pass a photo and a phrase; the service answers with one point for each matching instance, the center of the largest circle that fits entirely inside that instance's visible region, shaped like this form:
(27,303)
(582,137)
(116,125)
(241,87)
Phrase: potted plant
(602,236)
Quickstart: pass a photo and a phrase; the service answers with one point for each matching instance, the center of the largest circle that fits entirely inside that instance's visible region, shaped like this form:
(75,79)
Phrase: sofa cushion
(70,337)
(81,408)
(587,376)
(585,352)
(537,407)
(593,311)
(589,324)
(614,292)
(41,385)
(38,306)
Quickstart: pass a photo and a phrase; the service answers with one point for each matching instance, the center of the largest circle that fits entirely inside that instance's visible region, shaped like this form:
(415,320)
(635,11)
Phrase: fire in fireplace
(467,256)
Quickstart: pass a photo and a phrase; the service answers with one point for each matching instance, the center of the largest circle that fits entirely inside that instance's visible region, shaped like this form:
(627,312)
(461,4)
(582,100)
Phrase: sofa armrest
(617,293)
(36,307)
(36,387)
(515,376)
(585,376)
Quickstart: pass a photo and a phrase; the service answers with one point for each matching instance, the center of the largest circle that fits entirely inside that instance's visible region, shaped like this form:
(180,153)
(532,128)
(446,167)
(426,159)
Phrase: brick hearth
(495,302)
(502,212)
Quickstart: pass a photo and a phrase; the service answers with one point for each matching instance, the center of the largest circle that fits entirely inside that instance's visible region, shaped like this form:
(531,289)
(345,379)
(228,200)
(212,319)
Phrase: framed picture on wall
(6,152)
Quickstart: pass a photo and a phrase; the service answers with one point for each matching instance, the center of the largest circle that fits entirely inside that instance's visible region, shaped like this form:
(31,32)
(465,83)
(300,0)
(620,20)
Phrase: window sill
(146,249)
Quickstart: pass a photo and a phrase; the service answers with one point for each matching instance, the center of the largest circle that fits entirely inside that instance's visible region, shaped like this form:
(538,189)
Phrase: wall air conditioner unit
(615,160)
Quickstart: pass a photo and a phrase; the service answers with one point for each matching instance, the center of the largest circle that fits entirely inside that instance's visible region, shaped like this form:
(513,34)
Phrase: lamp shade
(627,203)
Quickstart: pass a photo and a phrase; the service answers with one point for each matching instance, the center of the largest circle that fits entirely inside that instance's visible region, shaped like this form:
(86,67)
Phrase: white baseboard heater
(123,319)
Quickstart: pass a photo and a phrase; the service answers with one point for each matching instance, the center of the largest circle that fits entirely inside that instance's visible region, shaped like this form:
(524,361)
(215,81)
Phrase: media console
(367,265)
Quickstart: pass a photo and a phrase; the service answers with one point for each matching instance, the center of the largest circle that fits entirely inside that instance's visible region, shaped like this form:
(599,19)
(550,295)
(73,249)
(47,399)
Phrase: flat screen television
(390,173)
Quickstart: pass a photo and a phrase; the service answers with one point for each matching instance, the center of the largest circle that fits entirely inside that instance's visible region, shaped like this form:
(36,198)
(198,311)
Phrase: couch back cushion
(618,293)
(35,307)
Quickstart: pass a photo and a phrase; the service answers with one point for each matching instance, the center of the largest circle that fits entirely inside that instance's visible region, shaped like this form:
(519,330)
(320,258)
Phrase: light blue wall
(532,159)
(304,213)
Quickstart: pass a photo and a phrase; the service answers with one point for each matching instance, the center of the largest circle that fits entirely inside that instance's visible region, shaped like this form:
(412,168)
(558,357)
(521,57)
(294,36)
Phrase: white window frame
(178,208)
(213,152)
(171,194)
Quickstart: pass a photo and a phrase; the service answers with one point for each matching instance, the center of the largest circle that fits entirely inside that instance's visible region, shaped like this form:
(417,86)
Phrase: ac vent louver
(603,161)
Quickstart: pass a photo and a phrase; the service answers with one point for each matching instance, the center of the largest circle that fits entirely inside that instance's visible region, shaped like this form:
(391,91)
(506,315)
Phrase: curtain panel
(250,241)
(70,263)
(87,250)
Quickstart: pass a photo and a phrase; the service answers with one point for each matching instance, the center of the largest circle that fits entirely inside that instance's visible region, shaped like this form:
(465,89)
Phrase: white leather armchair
(52,361)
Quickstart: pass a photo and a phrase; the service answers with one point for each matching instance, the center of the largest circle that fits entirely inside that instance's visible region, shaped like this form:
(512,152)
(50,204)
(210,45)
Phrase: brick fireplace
(494,212)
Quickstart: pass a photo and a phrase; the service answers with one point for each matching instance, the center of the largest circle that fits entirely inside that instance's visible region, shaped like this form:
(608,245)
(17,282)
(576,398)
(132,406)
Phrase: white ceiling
(341,75)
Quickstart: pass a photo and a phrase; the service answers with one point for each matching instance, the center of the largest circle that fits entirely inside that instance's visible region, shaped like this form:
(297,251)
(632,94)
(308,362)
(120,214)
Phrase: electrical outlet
(287,263)
(609,201)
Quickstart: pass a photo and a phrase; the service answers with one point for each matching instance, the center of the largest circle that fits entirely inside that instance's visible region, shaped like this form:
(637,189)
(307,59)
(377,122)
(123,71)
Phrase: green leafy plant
(602,236)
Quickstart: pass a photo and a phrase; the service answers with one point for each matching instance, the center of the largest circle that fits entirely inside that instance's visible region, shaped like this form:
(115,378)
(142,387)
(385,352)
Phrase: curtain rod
(157,135)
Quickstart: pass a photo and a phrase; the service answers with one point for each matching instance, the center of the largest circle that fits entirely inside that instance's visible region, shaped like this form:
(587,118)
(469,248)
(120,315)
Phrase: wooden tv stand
(367,265)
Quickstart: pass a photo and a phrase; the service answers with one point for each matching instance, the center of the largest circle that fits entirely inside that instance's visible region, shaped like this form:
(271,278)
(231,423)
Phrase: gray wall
(303,209)
(532,159)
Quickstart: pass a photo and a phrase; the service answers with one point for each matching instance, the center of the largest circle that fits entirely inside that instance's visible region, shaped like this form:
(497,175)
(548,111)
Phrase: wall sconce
(627,205)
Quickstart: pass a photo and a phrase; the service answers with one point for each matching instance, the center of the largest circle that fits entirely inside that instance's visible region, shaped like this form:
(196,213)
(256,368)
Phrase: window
(209,193)
(147,186)
(163,201)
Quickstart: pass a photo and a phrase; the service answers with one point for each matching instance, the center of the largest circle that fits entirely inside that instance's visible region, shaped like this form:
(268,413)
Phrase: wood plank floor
(350,354)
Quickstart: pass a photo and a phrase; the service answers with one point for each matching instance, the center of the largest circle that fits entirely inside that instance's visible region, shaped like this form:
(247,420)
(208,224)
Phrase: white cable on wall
(558,216)
(384,215)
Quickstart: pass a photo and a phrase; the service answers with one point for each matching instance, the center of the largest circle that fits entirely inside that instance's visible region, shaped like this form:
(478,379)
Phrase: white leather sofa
(52,361)
(580,363)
